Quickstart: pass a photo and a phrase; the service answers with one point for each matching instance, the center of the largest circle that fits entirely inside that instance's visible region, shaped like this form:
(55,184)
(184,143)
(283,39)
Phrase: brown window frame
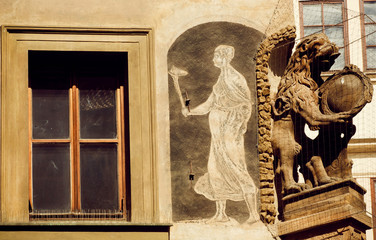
(16,42)
(364,43)
(344,24)
(373,203)
(74,141)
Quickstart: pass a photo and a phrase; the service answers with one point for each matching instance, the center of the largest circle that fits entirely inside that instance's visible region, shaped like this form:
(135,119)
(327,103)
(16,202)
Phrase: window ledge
(85,226)
(367,145)
(85,223)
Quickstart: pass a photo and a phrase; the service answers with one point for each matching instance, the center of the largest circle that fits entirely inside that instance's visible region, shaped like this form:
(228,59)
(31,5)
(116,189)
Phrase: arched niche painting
(213,124)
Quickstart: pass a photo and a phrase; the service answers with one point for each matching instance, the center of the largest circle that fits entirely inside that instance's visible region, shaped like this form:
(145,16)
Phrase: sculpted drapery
(230,109)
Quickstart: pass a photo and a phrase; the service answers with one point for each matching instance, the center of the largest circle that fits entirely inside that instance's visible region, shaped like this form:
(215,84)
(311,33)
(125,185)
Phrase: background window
(329,18)
(77,142)
(370,33)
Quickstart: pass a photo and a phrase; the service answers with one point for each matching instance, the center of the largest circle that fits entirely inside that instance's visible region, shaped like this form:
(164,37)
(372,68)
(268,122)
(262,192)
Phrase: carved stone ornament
(268,210)
(304,99)
(346,91)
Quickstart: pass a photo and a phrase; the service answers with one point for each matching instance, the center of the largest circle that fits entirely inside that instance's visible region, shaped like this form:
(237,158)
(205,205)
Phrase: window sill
(371,74)
(86,226)
(84,223)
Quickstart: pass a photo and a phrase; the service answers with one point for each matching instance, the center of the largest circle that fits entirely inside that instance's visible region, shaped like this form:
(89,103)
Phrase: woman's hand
(185,112)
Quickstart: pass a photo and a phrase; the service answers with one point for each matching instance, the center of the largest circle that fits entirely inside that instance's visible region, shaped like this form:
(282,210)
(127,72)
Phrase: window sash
(373,204)
(75,142)
(369,43)
(324,27)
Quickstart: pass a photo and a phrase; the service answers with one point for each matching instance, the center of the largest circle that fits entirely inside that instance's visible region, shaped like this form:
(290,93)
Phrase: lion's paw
(329,180)
(297,148)
(296,188)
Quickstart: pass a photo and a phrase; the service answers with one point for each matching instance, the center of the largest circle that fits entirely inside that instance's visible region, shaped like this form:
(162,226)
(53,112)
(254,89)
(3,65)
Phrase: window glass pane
(340,61)
(312,14)
(371,57)
(332,14)
(370,12)
(370,34)
(97,114)
(311,30)
(49,81)
(51,177)
(97,83)
(50,113)
(99,177)
(335,34)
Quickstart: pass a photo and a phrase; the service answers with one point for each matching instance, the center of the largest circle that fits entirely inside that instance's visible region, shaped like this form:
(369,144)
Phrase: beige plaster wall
(168,19)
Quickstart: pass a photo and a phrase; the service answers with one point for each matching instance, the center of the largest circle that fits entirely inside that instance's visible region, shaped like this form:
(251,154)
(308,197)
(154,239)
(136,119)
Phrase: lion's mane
(298,70)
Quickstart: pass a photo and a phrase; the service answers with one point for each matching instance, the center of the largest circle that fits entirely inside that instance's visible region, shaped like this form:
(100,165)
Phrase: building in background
(351,25)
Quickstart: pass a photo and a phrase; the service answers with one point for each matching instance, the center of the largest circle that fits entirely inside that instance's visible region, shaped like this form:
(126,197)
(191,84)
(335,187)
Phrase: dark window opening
(78,134)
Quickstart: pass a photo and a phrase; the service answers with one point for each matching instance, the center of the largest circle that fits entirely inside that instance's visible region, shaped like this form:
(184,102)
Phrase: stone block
(332,211)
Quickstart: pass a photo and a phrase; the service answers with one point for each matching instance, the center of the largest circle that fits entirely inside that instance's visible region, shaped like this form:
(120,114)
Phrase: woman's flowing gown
(227,177)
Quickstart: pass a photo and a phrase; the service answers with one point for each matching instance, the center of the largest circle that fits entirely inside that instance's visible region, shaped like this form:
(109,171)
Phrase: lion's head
(315,50)
(314,54)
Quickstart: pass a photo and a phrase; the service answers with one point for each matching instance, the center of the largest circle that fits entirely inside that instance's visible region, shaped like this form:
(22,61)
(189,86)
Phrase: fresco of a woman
(229,107)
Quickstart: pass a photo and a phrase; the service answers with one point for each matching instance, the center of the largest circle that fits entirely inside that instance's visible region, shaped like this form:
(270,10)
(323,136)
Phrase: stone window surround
(16,42)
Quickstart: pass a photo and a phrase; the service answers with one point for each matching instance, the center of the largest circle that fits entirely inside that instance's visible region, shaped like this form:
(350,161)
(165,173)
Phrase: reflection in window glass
(77,131)
(326,17)
(311,30)
(312,14)
(335,34)
(371,57)
(340,61)
(51,177)
(99,178)
(50,114)
(370,34)
(370,12)
(332,14)
(98,114)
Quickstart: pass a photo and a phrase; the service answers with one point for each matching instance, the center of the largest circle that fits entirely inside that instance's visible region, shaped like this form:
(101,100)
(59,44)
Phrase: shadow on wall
(190,137)
(279,57)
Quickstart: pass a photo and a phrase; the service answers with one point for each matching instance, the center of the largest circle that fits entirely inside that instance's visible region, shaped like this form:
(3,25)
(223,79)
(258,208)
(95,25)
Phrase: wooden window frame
(363,30)
(344,17)
(74,141)
(373,204)
(142,189)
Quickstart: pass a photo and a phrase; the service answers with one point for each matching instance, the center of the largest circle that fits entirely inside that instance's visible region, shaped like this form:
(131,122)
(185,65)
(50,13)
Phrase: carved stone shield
(346,91)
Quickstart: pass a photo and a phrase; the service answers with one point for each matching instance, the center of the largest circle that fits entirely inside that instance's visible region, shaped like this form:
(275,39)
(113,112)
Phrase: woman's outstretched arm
(201,109)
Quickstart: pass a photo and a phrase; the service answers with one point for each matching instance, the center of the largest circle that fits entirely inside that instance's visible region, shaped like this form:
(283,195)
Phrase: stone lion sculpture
(299,102)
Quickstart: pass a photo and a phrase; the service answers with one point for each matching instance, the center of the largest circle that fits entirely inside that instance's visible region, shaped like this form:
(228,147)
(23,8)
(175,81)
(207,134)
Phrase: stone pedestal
(332,211)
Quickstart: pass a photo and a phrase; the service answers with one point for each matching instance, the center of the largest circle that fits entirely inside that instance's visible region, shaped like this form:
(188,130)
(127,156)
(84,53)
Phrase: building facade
(140,119)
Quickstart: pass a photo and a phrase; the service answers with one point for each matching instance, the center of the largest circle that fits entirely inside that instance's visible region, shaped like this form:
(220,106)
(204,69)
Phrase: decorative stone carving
(348,90)
(268,209)
(304,99)
(338,211)
(333,211)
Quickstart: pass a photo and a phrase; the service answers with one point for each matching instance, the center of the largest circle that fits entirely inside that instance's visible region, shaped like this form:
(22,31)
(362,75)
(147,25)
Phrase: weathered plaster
(188,231)
(168,19)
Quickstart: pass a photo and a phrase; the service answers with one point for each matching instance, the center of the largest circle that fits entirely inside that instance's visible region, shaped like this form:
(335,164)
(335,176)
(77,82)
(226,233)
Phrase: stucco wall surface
(168,19)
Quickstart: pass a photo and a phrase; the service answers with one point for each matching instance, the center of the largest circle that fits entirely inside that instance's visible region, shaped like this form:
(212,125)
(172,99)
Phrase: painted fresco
(214,163)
